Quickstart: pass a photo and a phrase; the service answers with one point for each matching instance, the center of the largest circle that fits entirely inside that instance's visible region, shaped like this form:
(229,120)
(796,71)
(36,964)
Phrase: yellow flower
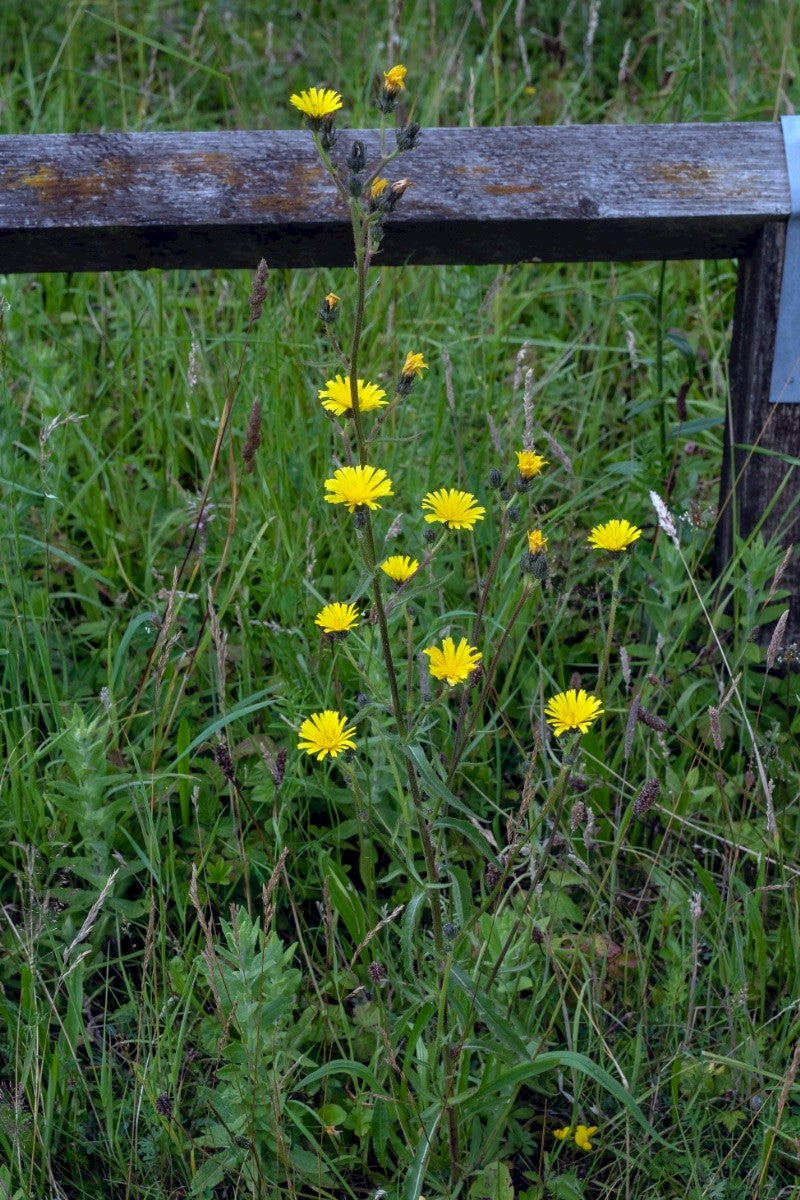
(614,536)
(414,365)
(582,1135)
(331,300)
(400,567)
(529,463)
(394,79)
(572,710)
(337,618)
(561,1134)
(358,486)
(337,398)
(317,103)
(456,510)
(537,542)
(324,733)
(377,188)
(453,663)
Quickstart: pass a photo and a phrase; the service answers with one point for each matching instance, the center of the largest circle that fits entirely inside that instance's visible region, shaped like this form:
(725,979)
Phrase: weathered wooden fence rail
(555,194)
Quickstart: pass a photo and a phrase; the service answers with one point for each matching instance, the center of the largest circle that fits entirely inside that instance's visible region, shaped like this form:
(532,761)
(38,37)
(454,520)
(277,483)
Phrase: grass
(221,976)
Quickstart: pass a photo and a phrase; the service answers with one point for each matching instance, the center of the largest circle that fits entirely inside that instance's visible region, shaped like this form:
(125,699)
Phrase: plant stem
(612,616)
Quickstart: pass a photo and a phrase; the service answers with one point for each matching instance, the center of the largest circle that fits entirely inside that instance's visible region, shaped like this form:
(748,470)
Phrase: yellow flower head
(377,188)
(614,536)
(400,567)
(582,1135)
(529,464)
(337,397)
(456,510)
(331,300)
(317,103)
(414,365)
(561,1134)
(337,618)
(453,663)
(324,733)
(537,542)
(572,710)
(358,486)
(394,80)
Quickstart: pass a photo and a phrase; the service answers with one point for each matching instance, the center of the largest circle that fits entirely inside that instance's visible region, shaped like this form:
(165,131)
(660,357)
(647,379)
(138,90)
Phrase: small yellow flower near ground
(456,510)
(394,79)
(614,536)
(358,486)
(317,103)
(529,463)
(331,300)
(572,710)
(537,542)
(453,663)
(582,1135)
(337,397)
(414,365)
(377,188)
(324,733)
(337,618)
(399,567)
(561,1134)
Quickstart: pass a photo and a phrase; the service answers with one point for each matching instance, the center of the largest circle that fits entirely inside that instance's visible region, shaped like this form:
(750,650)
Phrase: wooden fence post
(760,484)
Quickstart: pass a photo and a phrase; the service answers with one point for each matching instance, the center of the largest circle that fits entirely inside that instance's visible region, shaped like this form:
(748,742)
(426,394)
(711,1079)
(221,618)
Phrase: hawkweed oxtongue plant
(459,664)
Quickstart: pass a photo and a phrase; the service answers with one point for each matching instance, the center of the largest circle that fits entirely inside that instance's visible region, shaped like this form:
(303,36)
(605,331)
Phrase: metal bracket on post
(785,384)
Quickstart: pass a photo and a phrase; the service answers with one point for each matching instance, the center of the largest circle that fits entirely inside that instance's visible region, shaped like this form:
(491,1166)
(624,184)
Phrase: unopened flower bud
(407,137)
(328,135)
(357,158)
(355,184)
(534,565)
(329,308)
(430,536)
(395,192)
(495,479)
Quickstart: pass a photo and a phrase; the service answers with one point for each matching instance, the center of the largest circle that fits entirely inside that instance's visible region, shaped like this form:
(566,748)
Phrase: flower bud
(328,135)
(534,565)
(328,310)
(407,137)
(392,197)
(357,158)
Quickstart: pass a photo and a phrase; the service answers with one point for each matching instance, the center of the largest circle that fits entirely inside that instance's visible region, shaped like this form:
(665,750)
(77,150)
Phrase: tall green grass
(187,1005)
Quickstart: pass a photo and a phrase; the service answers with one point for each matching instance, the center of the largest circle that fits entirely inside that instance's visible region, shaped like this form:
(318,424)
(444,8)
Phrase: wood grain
(81,202)
(760,486)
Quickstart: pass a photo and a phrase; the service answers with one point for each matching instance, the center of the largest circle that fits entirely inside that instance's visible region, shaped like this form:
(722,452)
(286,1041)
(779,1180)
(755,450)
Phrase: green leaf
(493,1183)
(345,901)
(414,1180)
(490,1013)
(484,1098)
(340,1066)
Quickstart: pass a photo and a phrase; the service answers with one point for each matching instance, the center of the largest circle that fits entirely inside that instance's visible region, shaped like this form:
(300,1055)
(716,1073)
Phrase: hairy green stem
(612,616)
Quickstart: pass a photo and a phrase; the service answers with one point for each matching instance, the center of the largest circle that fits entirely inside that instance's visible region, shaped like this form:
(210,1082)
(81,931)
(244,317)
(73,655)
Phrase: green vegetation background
(145,1052)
